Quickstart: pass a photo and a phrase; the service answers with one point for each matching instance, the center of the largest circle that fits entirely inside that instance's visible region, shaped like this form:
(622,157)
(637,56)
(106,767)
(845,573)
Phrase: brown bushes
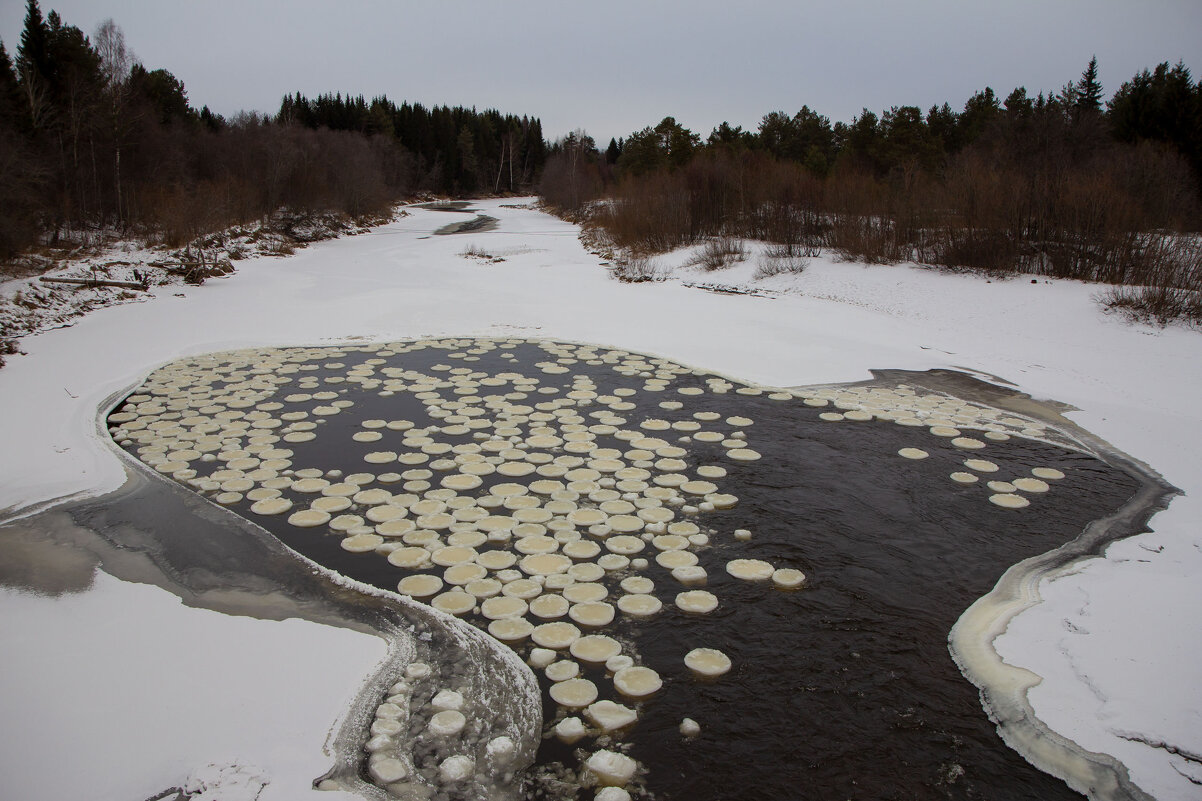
(716,195)
(1119,216)
(302,170)
(721,252)
(572,175)
(649,214)
(637,270)
(1170,281)
(778,261)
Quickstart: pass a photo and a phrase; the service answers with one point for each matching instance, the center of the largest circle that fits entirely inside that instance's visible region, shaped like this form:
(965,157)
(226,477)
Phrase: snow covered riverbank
(1112,639)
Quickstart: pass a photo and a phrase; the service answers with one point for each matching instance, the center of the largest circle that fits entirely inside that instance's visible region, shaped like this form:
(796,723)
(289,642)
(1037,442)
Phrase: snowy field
(139,692)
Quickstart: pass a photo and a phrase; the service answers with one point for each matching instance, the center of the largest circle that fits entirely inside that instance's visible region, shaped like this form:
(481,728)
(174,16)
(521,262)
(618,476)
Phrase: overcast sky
(617,66)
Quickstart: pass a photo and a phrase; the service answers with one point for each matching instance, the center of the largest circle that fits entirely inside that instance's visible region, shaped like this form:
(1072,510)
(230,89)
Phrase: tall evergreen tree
(213,122)
(814,144)
(1164,105)
(676,141)
(943,124)
(33,53)
(730,137)
(10,91)
(980,111)
(908,142)
(163,93)
(1089,89)
(33,67)
(612,152)
(644,152)
(1018,104)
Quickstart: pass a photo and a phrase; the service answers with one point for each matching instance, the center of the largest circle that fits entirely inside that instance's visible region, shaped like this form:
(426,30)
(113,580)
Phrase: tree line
(456,151)
(1059,184)
(91,140)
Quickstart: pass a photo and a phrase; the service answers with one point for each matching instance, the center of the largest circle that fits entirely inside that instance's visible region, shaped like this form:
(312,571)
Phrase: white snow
(1115,639)
(123,692)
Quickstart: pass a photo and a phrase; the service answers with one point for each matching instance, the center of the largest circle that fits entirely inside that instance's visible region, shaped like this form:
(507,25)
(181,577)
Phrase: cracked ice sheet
(125,692)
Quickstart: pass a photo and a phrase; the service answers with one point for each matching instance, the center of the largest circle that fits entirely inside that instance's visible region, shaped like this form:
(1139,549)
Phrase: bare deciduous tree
(115,63)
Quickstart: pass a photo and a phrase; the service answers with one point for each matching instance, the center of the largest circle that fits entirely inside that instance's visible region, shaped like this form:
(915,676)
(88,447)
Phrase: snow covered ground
(121,692)
(1116,639)
(28,304)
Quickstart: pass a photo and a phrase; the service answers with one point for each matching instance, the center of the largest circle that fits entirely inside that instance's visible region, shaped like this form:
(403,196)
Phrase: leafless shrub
(808,250)
(774,263)
(572,174)
(869,239)
(649,214)
(638,269)
(280,245)
(720,253)
(8,347)
(1171,268)
(474,251)
(1155,304)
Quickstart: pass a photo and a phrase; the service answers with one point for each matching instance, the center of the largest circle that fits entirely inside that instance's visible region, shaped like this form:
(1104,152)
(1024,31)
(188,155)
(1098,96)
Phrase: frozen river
(866,502)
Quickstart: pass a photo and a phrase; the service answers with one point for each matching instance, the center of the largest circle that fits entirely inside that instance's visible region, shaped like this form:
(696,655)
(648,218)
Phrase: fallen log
(726,289)
(95,282)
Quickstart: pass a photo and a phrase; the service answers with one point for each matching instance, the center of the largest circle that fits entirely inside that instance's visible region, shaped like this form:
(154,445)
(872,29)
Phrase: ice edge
(1004,687)
(496,669)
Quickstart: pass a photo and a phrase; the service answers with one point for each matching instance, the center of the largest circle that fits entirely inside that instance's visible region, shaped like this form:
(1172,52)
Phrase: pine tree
(33,56)
(163,92)
(10,92)
(979,112)
(1089,90)
(612,152)
(1163,105)
(814,141)
(213,122)
(1018,104)
(943,123)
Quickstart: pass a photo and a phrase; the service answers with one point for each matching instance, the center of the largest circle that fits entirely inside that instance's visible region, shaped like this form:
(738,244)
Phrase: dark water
(477,224)
(844,689)
(446,205)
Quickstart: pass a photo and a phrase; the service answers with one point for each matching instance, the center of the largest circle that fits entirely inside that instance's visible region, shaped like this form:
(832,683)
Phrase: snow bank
(123,692)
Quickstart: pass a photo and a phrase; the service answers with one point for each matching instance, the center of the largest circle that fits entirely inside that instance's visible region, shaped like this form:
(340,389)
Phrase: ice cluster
(527,500)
